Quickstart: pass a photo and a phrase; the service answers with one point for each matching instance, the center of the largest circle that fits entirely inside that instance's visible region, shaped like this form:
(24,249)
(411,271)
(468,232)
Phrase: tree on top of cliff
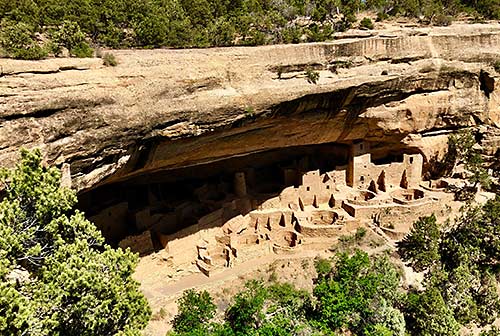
(204,23)
(57,277)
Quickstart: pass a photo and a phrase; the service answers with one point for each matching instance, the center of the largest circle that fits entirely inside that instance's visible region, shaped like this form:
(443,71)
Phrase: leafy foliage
(278,309)
(421,246)
(461,148)
(428,314)
(312,76)
(18,40)
(109,59)
(359,296)
(323,267)
(202,23)
(195,310)
(70,36)
(57,275)
(366,23)
(460,263)
(496,66)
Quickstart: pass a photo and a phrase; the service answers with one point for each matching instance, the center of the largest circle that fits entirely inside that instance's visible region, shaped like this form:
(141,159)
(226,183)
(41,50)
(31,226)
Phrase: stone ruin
(248,222)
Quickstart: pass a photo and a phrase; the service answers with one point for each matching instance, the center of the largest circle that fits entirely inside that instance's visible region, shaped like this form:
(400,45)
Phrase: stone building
(363,174)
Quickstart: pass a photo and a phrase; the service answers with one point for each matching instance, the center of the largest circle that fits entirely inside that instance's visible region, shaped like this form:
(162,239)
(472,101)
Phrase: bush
(222,33)
(256,38)
(290,35)
(109,60)
(381,16)
(428,314)
(82,50)
(312,76)
(496,65)
(443,20)
(70,36)
(323,267)
(420,247)
(246,312)
(360,233)
(17,39)
(195,310)
(366,23)
(32,53)
(151,31)
(358,295)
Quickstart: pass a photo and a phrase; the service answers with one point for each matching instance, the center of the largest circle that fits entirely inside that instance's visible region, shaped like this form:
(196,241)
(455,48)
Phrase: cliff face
(164,109)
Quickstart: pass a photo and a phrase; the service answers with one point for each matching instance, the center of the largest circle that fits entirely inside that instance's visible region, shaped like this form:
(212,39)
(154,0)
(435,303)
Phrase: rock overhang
(168,109)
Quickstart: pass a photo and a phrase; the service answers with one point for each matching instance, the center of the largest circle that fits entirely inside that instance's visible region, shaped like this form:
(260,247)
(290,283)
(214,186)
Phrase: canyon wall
(167,109)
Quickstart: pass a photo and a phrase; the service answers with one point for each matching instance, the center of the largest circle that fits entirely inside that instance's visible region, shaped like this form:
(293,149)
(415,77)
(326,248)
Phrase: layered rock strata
(166,109)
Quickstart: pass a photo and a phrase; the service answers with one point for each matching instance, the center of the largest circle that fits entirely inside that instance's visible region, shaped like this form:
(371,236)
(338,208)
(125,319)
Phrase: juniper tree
(57,276)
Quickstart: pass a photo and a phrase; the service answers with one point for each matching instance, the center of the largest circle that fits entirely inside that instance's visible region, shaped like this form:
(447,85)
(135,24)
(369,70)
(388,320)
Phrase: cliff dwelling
(234,210)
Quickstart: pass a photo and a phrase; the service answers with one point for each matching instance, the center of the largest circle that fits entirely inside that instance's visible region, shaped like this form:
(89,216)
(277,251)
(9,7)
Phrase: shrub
(428,314)
(246,312)
(366,23)
(312,76)
(442,20)
(82,50)
(195,310)
(70,36)
(151,31)
(496,65)
(381,16)
(354,296)
(222,33)
(323,266)
(360,233)
(109,59)
(291,35)
(17,39)
(256,38)
(279,71)
(31,53)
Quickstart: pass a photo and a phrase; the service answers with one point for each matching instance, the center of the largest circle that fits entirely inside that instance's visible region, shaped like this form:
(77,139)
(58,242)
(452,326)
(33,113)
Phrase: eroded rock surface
(164,109)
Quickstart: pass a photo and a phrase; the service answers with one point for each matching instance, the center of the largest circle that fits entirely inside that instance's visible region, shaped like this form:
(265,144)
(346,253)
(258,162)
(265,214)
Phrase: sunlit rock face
(161,110)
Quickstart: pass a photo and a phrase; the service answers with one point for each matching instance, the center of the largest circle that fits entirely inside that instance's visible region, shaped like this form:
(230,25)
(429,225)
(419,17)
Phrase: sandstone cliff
(161,109)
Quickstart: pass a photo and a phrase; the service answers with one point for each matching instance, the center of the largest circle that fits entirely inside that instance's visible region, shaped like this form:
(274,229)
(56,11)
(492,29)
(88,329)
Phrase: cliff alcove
(201,188)
(169,202)
(142,140)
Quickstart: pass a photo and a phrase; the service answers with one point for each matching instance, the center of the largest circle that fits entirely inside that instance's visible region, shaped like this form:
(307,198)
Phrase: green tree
(428,315)
(474,238)
(152,30)
(358,290)
(70,36)
(323,267)
(312,76)
(57,275)
(18,40)
(195,311)
(461,263)
(462,150)
(420,247)
(246,312)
